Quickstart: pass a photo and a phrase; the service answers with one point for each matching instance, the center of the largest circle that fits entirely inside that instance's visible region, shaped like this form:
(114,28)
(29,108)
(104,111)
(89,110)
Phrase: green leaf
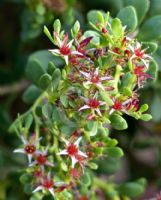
(34,70)
(150,47)
(118,122)
(131,189)
(155,7)
(151,29)
(25,178)
(51,68)
(117,28)
(157,57)
(31,94)
(92,127)
(37,64)
(146,117)
(47,33)
(28,121)
(64,100)
(56,78)
(47,110)
(114,152)
(106,98)
(44,81)
(153,70)
(57,25)
(92,16)
(128,17)
(144,108)
(86,179)
(93,165)
(141,7)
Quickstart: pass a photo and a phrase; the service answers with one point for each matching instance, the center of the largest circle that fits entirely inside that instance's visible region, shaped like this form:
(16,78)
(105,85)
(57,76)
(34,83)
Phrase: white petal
(84,107)
(133,56)
(100,86)
(70,43)
(63,152)
(19,151)
(29,157)
(51,190)
(96,71)
(33,163)
(38,189)
(106,78)
(87,75)
(55,51)
(66,59)
(74,161)
(98,111)
(38,140)
(145,63)
(23,140)
(102,103)
(60,183)
(76,53)
(77,141)
(82,154)
(111,111)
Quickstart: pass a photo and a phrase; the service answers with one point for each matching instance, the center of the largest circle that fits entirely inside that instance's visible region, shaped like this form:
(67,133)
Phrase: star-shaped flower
(64,48)
(29,147)
(93,104)
(141,75)
(41,159)
(72,150)
(95,78)
(47,183)
(140,54)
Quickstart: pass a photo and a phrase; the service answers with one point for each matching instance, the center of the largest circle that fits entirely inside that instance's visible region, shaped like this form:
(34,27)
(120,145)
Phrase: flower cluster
(103,72)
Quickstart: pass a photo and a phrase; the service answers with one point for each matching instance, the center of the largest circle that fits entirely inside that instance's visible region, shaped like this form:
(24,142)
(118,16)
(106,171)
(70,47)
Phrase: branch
(14,88)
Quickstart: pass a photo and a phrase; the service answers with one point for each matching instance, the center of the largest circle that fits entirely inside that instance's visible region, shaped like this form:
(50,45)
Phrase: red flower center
(94,78)
(93,103)
(65,50)
(47,183)
(117,105)
(72,150)
(30,149)
(41,159)
(139,53)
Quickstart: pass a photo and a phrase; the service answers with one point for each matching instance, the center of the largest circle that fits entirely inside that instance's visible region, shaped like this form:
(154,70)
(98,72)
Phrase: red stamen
(139,53)
(117,105)
(72,150)
(65,50)
(30,149)
(47,183)
(93,103)
(41,159)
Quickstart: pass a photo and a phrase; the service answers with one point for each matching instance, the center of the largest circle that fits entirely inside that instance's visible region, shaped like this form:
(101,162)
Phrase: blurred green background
(22,34)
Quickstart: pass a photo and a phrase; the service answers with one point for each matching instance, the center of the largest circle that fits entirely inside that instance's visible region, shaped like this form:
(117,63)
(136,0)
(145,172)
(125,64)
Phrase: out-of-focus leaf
(141,7)
(155,7)
(31,94)
(151,29)
(128,18)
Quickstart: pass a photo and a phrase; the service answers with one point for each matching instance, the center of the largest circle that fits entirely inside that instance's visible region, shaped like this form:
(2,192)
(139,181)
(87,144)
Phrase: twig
(14,88)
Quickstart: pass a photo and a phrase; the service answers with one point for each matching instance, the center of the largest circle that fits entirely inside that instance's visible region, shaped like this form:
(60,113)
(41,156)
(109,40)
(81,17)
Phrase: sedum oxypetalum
(99,84)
